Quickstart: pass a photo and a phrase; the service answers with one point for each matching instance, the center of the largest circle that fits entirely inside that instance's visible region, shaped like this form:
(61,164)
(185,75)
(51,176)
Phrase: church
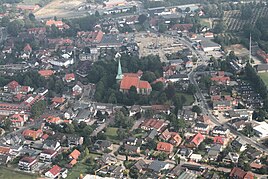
(127,80)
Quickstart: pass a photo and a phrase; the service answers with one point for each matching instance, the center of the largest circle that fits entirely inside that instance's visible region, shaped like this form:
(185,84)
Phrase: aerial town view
(142,89)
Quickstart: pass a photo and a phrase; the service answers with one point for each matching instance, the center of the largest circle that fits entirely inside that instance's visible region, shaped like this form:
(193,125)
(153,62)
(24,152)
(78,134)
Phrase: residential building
(54,172)
(47,155)
(202,128)
(157,124)
(28,164)
(164,147)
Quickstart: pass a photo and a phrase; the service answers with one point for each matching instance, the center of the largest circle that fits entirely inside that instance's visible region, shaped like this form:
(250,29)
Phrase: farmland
(235,23)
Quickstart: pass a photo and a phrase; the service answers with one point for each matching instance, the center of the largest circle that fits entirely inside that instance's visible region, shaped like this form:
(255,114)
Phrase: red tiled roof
(75,154)
(32,133)
(197,139)
(129,81)
(153,123)
(53,119)
(13,85)
(249,175)
(4,150)
(218,140)
(45,136)
(48,151)
(73,162)
(55,170)
(163,146)
(70,76)
(27,159)
(237,173)
(58,100)
(56,23)
(46,73)
(27,48)
(256,165)
(144,85)
(220,78)
(16,118)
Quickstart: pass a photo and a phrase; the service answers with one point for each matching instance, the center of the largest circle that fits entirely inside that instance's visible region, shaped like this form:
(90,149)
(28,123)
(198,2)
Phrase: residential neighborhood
(132,89)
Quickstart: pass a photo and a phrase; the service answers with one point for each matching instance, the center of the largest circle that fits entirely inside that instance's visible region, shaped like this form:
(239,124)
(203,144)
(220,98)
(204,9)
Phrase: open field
(152,44)
(189,98)
(264,77)
(61,9)
(79,168)
(205,22)
(238,49)
(9,174)
(111,133)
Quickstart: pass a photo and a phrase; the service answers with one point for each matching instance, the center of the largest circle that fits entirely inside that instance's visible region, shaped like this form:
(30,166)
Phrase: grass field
(264,77)
(79,168)
(10,174)
(189,98)
(205,22)
(111,134)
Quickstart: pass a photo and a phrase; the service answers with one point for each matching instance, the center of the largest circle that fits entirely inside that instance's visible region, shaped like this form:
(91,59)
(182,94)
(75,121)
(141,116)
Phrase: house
(5,150)
(27,50)
(46,73)
(214,152)
(173,137)
(28,164)
(262,55)
(18,120)
(107,159)
(54,172)
(220,131)
(132,148)
(178,77)
(164,147)
(58,101)
(69,77)
(150,135)
(219,140)
(32,134)
(13,86)
(59,24)
(51,144)
(222,105)
(77,90)
(261,68)
(142,87)
(221,79)
(140,165)
(202,128)
(154,124)
(239,144)
(74,155)
(196,157)
(231,157)
(4,159)
(196,140)
(103,145)
(48,155)
(161,109)
(131,141)
(53,119)
(157,166)
(256,166)
(187,114)
(237,173)
(238,124)
(185,152)
(75,140)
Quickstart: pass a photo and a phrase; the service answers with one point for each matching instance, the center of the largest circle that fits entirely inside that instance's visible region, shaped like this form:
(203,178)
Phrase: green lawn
(204,22)
(264,77)
(79,168)
(10,174)
(189,98)
(111,133)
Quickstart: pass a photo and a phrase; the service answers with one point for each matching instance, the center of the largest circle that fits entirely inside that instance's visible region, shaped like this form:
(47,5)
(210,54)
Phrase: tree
(162,28)
(15,27)
(177,160)
(142,18)
(38,108)
(197,109)
(31,17)
(97,14)
(219,27)
(121,134)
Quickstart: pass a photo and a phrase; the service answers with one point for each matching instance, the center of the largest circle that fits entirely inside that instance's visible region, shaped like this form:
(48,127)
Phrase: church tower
(119,75)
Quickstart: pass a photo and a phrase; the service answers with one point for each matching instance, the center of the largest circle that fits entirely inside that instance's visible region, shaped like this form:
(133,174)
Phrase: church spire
(119,75)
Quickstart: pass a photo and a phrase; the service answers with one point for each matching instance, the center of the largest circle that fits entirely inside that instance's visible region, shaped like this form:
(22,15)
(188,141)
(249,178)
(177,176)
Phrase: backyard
(264,77)
(111,133)
(10,174)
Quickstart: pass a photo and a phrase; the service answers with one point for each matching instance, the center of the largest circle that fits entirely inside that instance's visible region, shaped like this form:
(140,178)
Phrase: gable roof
(218,140)
(55,170)
(13,85)
(197,139)
(75,154)
(70,76)
(58,100)
(237,173)
(163,146)
(128,81)
(46,73)
(32,133)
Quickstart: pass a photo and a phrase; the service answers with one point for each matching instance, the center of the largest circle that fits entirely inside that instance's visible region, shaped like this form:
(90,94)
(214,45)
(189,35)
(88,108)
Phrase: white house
(53,172)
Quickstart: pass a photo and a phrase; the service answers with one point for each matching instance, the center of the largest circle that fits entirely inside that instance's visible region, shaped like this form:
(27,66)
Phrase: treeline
(257,83)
